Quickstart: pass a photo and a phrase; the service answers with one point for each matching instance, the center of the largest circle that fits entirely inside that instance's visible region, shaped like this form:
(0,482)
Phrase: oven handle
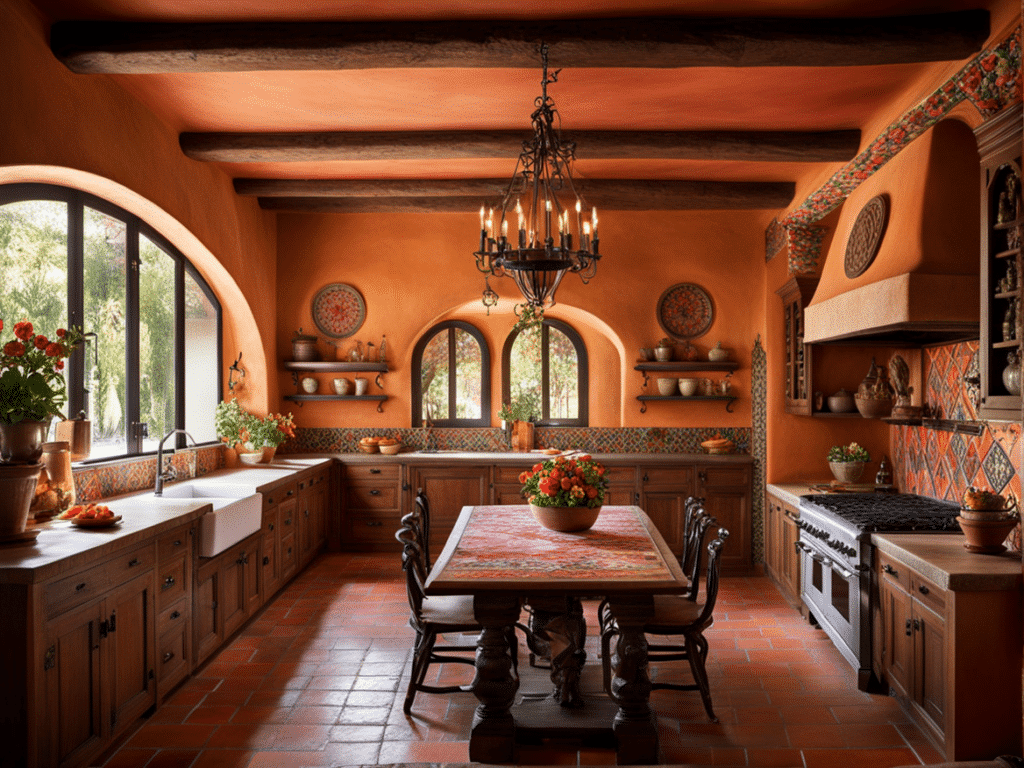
(826,561)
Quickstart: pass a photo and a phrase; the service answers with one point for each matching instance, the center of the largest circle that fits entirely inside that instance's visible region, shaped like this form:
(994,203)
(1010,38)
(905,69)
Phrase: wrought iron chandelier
(548,210)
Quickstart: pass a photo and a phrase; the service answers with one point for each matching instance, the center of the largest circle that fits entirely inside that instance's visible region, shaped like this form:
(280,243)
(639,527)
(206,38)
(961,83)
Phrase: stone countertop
(942,558)
(63,547)
(511,457)
(791,492)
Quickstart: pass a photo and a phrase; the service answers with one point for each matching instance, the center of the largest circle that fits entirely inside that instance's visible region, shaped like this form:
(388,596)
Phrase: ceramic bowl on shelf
(688,387)
(667,387)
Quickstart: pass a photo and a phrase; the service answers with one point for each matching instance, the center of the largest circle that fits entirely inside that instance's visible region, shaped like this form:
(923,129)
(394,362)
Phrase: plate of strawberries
(91,516)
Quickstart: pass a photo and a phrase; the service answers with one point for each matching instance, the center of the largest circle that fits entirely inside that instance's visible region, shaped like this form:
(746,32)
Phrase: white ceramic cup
(342,386)
(310,385)
(361,385)
(688,387)
(667,386)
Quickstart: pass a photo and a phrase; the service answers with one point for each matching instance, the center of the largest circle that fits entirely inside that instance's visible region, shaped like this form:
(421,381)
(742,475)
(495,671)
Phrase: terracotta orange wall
(85,131)
(414,270)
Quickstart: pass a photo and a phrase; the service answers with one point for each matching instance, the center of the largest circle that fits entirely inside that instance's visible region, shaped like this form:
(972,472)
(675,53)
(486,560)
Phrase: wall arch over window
(451,385)
(155,362)
(550,362)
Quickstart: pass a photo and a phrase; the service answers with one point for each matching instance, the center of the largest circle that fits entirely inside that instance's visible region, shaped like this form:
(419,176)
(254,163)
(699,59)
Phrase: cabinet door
(727,493)
(666,510)
(897,637)
(772,537)
(234,603)
(930,662)
(287,525)
(75,702)
(207,618)
(251,576)
(789,534)
(131,630)
(448,490)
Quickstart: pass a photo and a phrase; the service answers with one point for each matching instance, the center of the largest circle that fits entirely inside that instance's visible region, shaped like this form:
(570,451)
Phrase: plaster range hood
(912,309)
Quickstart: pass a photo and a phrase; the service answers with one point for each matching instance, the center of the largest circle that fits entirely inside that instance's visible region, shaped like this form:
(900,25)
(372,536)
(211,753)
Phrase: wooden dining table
(505,559)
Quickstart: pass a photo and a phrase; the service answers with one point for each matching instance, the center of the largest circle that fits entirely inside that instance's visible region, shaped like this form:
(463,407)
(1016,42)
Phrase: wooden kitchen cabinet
(227,592)
(312,511)
(1002,219)
(727,494)
(449,488)
(780,558)
(663,494)
(175,559)
(796,294)
(952,658)
(373,499)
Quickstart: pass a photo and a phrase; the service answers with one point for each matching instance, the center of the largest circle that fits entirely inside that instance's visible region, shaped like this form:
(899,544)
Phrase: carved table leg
(635,726)
(559,625)
(492,738)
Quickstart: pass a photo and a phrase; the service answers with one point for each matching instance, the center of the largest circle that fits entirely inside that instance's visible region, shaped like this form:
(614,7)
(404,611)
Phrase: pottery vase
(986,536)
(362,385)
(522,436)
(310,385)
(22,443)
(847,471)
(17,490)
(342,386)
(566,519)
(268,453)
(1011,374)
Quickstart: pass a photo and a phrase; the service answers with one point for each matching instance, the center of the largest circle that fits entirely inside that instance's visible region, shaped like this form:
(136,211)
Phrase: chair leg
(420,662)
(697,648)
(606,657)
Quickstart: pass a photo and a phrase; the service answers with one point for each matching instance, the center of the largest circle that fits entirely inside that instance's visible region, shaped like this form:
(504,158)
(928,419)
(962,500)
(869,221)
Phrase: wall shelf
(300,399)
(335,366)
(683,367)
(727,399)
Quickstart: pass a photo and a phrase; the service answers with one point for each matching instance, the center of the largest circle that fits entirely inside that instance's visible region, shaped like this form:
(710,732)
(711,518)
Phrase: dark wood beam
(413,196)
(92,47)
(746,146)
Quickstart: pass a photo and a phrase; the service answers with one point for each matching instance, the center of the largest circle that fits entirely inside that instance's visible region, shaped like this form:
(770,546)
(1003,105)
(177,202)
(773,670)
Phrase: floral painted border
(991,81)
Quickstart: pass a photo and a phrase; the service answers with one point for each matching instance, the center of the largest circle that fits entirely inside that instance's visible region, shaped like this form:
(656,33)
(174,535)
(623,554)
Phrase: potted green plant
(265,433)
(517,416)
(847,462)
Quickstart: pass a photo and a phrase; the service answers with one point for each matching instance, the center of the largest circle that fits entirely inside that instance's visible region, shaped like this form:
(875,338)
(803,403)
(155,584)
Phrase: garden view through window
(453,387)
(73,259)
(546,369)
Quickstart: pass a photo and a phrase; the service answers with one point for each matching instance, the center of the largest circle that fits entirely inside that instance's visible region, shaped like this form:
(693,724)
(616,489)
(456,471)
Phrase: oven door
(832,593)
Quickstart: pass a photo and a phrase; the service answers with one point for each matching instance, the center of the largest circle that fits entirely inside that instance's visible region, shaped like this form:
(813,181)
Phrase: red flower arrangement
(566,482)
(31,383)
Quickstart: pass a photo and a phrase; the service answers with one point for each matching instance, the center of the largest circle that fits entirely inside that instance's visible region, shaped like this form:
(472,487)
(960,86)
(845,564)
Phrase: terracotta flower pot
(986,536)
(22,443)
(268,453)
(17,489)
(847,471)
(566,519)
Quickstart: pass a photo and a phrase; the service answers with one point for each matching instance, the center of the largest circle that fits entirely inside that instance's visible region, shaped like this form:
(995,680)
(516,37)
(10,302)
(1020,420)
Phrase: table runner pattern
(506,542)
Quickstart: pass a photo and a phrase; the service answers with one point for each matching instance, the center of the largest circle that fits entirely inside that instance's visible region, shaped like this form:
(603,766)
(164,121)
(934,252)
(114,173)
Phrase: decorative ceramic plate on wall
(685,311)
(866,236)
(338,310)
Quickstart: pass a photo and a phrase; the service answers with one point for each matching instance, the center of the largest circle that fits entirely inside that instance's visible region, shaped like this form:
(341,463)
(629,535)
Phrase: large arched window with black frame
(71,258)
(451,384)
(545,366)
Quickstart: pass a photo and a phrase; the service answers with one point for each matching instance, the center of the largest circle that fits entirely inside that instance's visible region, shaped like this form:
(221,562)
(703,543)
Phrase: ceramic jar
(1011,374)
(667,387)
(341,386)
(842,402)
(663,352)
(304,348)
(717,355)
(309,385)
(362,385)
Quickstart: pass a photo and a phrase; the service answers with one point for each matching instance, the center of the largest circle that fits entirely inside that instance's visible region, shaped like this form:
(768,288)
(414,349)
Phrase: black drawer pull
(909,633)
(168,582)
(271,526)
(375,523)
(270,501)
(80,587)
(289,550)
(134,561)
(923,589)
(374,471)
(375,492)
(890,570)
(168,656)
(306,511)
(176,615)
(177,542)
(266,560)
(290,493)
(288,521)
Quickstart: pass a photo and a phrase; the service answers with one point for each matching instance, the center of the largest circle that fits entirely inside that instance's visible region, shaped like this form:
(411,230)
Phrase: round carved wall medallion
(866,235)
(685,311)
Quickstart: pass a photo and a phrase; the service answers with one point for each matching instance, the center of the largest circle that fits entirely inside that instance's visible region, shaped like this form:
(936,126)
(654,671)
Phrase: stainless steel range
(836,559)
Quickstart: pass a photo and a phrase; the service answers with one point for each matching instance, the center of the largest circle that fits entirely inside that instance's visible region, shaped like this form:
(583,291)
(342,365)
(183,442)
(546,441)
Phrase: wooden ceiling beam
(745,146)
(447,196)
(108,47)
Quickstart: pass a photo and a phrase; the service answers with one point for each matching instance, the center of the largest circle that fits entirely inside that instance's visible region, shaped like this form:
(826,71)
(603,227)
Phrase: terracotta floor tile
(860,758)
(213,715)
(244,736)
(130,757)
(314,715)
(774,758)
(182,736)
(223,758)
(173,758)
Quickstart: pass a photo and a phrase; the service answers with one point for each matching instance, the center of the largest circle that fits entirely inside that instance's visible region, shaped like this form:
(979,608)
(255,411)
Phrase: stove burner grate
(878,512)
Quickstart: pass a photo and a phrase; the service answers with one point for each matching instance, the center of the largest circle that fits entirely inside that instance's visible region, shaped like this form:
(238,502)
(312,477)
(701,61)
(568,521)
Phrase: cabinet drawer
(725,476)
(174,616)
(894,571)
(928,593)
(509,474)
(364,472)
(171,661)
(674,476)
(127,566)
(72,591)
(373,529)
(381,496)
(279,493)
(174,544)
(171,581)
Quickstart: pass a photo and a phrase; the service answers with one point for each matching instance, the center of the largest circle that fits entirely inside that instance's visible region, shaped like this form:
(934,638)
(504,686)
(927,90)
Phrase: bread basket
(390,450)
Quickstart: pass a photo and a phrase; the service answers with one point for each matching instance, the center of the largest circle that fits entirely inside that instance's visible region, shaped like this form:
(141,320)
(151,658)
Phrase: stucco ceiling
(440,98)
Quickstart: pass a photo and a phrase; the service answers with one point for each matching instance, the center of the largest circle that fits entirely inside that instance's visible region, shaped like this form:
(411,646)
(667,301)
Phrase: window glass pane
(34,244)
(467,377)
(156,342)
(201,385)
(105,312)
(563,377)
(434,377)
(525,369)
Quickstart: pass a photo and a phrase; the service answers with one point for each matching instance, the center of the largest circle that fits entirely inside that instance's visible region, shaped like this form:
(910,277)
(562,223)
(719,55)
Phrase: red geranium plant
(577,481)
(31,383)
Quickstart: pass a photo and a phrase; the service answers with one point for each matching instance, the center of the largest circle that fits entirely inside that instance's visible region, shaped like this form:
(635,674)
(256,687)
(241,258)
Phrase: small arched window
(546,365)
(453,385)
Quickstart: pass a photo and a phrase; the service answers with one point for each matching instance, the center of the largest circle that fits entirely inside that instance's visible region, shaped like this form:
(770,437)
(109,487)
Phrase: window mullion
(77,393)
(179,348)
(452,375)
(132,342)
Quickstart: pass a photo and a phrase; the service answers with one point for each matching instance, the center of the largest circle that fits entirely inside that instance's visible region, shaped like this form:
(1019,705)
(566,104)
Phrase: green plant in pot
(32,388)
(268,432)
(517,415)
(847,462)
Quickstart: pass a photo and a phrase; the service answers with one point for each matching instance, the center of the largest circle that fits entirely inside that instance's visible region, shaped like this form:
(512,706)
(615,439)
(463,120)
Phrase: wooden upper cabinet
(1002,218)
(795,295)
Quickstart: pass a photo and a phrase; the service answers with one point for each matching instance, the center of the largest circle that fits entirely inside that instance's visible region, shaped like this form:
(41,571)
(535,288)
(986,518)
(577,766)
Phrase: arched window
(70,258)
(453,388)
(546,365)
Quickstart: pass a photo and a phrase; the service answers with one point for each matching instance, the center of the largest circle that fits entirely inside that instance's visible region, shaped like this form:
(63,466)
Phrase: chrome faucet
(169,474)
